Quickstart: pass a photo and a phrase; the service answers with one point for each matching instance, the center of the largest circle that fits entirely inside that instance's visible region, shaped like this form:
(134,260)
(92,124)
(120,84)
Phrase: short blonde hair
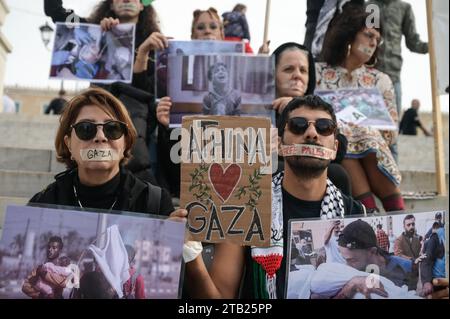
(105,101)
(212,13)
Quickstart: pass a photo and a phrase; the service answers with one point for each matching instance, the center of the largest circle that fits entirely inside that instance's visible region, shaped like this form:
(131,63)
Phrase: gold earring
(349,49)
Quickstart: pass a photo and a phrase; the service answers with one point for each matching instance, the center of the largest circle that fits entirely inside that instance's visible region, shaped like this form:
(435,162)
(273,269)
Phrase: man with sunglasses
(307,133)
(307,139)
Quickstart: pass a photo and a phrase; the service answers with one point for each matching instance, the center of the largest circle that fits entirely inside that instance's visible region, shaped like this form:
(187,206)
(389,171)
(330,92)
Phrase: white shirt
(332,251)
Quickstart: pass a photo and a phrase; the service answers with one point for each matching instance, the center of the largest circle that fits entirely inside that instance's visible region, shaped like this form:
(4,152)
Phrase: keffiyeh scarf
(326,14)
(267,261)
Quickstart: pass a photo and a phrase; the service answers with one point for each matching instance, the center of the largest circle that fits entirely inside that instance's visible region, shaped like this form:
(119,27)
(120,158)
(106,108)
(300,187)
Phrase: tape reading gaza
(308,151)
(99,155)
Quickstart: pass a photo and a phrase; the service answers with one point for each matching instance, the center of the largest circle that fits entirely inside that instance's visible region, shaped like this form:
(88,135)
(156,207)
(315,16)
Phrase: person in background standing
(382,238)
(58,104)
(410,120)
(397,18)
(236,26)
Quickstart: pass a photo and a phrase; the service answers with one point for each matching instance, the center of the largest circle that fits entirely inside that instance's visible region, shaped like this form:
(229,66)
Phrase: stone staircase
(27,162)
(27,158)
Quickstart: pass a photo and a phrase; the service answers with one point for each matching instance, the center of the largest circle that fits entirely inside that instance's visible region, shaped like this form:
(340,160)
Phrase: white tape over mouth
(308,151)
(99,155)
(366,50)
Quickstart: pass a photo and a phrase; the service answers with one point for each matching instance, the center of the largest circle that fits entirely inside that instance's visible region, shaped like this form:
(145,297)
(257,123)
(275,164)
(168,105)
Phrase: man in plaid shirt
(382,238)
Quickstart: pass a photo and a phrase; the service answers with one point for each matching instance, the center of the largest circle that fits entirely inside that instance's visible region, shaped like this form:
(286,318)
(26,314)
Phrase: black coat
(134,195)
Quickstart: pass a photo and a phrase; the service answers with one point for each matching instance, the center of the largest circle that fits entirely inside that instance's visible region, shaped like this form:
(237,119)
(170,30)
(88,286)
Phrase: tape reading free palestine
(308,151)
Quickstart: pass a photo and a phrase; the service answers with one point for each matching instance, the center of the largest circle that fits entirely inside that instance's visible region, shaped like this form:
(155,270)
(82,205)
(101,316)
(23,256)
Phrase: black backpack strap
(154,198)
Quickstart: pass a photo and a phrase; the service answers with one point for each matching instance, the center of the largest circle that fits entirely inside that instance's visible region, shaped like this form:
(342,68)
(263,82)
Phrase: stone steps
(27,131)
(419,181)
(26,159)
(23,183)
(424,205)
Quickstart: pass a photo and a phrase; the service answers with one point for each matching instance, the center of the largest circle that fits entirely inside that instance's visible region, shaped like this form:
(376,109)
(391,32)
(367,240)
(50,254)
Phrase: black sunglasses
(299,125)
(86,131)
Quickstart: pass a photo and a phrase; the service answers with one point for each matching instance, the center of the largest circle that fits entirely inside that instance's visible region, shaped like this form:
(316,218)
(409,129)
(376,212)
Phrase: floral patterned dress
(365,140)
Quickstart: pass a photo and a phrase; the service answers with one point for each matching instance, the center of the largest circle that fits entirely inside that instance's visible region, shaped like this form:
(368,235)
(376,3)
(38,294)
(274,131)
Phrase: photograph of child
(60,269)
(237,85)
(189,48)
(351,258)
(85,52)
(221,99)
(51,253)
(48,280)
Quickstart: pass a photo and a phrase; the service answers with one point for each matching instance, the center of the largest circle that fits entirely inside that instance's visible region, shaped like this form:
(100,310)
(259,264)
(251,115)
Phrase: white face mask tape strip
(99,155)
(308,151)
(366,50)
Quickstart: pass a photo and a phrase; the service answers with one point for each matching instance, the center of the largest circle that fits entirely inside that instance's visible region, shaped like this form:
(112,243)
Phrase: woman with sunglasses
(349,50)
(94,141)
(296,77)
(137,96)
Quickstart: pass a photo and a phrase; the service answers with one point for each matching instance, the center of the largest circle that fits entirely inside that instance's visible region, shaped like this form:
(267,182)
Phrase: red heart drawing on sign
(224,181)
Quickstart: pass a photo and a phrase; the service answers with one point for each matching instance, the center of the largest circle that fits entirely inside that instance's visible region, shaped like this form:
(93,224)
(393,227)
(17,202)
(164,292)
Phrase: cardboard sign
(236,85)
(55,253)
(326,255)
(363,107)
(84,52)
(226,179)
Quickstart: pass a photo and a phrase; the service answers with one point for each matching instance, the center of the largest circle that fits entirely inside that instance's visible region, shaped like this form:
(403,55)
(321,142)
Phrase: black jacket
(409,123)
(135,195)
(431,250)
(142,112)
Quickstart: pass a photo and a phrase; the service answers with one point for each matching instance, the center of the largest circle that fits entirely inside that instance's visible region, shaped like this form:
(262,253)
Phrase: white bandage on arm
(191,250)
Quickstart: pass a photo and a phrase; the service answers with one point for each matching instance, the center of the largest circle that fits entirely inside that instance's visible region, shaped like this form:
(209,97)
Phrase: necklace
(79,203)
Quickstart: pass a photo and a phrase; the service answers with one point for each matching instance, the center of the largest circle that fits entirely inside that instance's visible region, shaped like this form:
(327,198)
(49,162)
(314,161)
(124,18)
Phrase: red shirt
(137,287)
(383,240)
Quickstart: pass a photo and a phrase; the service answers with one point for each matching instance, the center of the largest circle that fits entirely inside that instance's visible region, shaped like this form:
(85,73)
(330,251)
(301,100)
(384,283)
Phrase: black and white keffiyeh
(326,14)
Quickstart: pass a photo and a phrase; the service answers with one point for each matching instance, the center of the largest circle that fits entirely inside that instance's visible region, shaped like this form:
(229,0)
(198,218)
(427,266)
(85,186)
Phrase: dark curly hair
(343,32)
(147,18)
